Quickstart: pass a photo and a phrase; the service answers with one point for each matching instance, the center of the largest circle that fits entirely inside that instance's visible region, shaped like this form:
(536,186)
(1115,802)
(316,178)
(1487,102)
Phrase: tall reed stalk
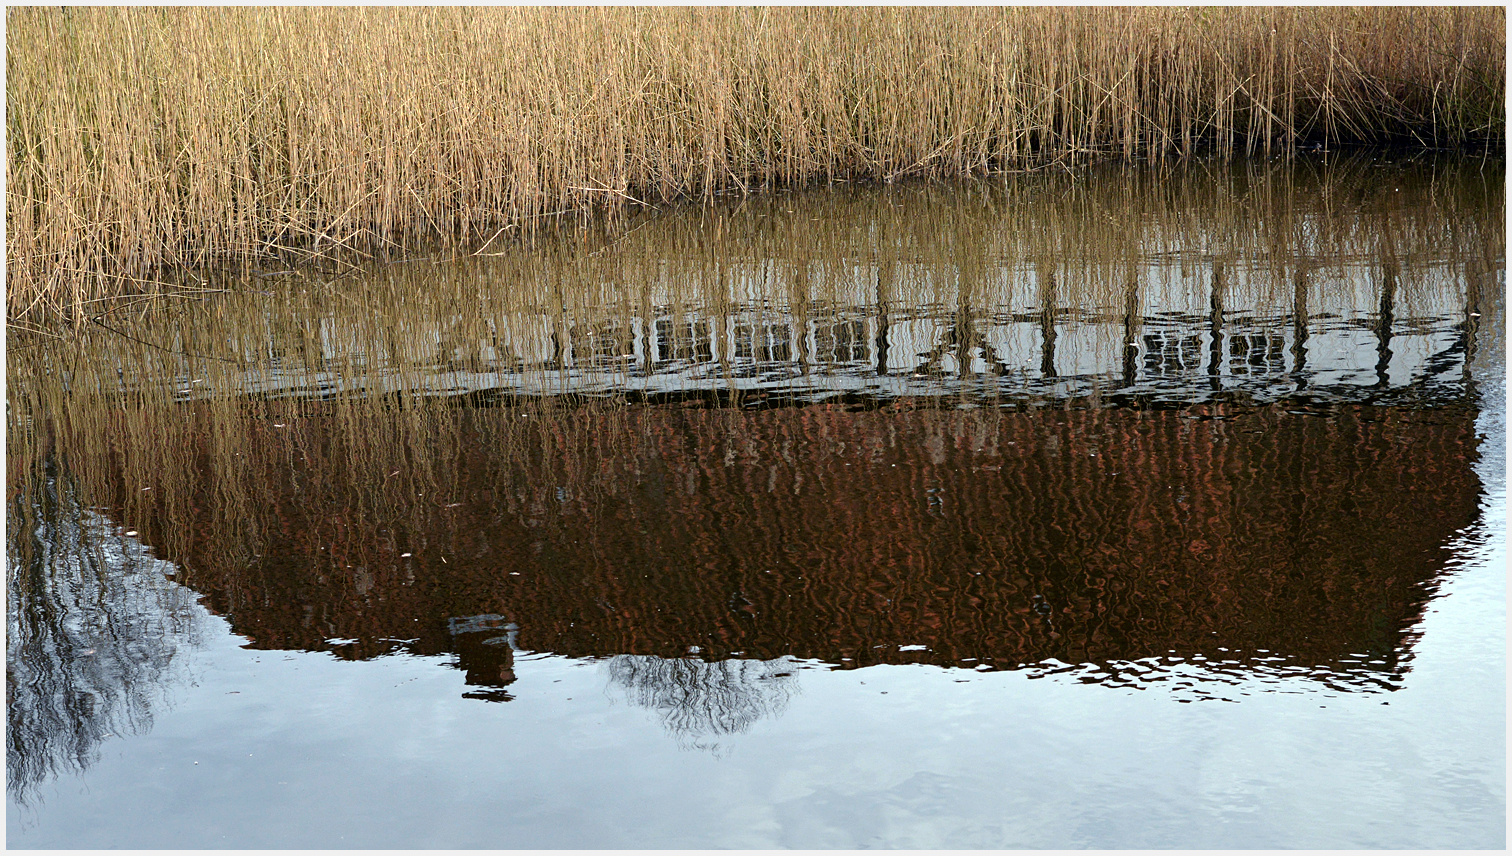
(144,141)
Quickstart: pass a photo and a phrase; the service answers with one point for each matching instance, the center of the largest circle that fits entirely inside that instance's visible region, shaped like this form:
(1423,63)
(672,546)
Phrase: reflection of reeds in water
(1118,245)
(1330,234)
(94,634)
(144,138)
(699,702)
(317,496)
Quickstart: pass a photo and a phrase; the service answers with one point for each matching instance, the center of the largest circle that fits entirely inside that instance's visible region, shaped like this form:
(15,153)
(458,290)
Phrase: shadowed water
(1205,435)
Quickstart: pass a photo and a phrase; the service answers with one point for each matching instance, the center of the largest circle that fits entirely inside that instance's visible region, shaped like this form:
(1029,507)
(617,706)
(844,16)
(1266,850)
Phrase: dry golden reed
(143,141)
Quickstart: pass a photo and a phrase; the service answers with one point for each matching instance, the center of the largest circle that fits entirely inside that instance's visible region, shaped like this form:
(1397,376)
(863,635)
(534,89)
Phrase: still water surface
(1129,508)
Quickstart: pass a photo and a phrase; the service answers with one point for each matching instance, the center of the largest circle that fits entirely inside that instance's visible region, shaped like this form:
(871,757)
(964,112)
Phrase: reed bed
(145,143)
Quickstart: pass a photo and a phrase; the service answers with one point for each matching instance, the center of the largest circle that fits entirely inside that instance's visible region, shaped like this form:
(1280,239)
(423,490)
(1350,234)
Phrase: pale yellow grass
(147,141)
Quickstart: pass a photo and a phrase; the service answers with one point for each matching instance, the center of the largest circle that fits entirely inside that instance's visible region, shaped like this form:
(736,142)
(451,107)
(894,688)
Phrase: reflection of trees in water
(700,702)
(94,631)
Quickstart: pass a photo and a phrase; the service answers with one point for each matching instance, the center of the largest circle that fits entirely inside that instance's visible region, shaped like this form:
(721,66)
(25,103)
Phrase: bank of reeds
(143,141)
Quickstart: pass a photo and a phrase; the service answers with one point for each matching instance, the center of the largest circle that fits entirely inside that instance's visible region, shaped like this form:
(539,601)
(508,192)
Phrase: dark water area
(1134,507)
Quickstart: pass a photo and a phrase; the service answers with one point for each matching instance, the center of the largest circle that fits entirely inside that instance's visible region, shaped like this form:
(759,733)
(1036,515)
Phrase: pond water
(1127,507)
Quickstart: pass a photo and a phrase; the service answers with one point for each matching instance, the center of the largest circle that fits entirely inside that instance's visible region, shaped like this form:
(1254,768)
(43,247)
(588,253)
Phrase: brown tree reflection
(846,533)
